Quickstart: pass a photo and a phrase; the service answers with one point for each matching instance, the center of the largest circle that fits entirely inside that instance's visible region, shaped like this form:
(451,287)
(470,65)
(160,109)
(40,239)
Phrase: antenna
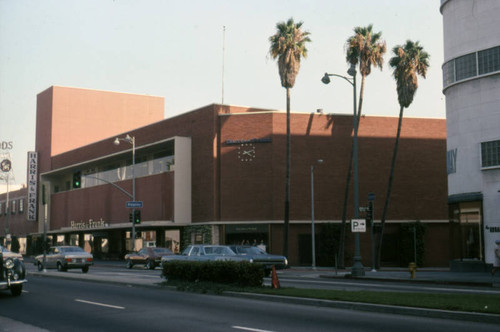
(223,54)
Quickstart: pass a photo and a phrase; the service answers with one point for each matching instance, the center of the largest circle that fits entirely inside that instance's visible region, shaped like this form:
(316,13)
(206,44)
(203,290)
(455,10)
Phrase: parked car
(206,252)
(63,258)
(7,253)
(12,274)
(259,256)
(149,257)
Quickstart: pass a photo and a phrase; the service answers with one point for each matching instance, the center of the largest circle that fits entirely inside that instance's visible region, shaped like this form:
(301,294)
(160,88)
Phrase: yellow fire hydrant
(412,268)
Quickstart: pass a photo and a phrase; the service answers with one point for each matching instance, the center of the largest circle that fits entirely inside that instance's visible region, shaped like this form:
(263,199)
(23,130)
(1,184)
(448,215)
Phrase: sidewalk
(423,275)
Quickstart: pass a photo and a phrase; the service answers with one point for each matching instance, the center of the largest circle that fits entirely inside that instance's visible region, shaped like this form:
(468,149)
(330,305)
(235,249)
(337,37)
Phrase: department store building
(217,175)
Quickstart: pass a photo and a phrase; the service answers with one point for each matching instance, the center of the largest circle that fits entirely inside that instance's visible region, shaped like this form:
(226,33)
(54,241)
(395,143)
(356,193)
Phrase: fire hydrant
(412,268)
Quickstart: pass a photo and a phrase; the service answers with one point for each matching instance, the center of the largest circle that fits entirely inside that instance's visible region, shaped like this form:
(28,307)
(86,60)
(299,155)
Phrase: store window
(490,154)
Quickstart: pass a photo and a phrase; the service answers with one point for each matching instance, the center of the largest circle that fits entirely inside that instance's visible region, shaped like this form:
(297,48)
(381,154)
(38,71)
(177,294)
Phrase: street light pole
(313,233)
(357,268)
(131,140)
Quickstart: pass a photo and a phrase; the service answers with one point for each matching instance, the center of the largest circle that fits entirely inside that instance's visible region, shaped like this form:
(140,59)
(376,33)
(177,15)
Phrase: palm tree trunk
(389,189)
(287,177)
(341,253)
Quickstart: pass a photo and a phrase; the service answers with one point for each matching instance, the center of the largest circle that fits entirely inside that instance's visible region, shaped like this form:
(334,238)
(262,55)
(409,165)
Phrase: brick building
(216,174)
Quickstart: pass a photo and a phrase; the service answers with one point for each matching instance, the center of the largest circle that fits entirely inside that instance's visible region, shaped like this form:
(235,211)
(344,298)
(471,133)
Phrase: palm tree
(288,44)
(366,48)
(408,61)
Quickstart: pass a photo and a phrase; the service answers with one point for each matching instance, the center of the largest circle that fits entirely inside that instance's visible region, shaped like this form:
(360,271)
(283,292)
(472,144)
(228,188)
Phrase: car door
(141,256)
(51,259)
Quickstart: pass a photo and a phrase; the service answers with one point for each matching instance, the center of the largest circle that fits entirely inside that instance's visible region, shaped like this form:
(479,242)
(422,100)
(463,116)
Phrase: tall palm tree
(409,60)
(365,48)
(288,44)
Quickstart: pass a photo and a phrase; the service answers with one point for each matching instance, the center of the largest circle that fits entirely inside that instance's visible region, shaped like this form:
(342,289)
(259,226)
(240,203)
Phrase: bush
(243,274)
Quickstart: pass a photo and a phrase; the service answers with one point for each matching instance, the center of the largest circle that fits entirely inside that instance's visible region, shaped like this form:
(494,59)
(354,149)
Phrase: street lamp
(131,140)
(313,234)
(357,268)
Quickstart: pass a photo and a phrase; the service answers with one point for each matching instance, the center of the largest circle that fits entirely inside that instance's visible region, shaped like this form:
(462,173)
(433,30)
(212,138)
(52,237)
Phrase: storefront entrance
(467,236)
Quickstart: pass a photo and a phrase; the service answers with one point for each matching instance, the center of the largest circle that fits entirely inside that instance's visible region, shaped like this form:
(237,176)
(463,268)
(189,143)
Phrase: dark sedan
(150,257)
(259,256)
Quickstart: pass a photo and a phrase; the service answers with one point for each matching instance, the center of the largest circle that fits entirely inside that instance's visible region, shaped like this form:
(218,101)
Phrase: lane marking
(100,304)
(249,329)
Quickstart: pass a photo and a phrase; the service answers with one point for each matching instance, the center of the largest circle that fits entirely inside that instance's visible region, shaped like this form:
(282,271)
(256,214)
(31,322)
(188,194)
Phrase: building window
(449,73)
(465,66)
(489,60)
(13,211)
(21,206)
(1,208)
(490,154)
(471,65)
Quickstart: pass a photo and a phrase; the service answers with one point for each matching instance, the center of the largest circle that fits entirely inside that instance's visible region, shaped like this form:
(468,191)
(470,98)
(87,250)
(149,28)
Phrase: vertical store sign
(32,184)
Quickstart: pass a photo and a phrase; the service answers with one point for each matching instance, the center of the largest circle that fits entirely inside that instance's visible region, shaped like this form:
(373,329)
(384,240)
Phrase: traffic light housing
(137,216)
(369,212)
(130,217)
(77,179)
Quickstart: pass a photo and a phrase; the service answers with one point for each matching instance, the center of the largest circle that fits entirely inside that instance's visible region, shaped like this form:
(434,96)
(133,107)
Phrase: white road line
(100,304)
(249,329)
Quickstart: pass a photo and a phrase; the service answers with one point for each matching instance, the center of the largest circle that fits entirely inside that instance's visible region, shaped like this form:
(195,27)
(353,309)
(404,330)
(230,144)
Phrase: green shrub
(225,272)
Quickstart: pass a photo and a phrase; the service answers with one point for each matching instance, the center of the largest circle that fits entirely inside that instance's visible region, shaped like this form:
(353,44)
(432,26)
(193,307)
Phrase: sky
(198,52)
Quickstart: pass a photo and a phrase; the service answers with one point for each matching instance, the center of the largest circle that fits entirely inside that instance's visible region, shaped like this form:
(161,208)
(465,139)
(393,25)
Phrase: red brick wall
(255,190)
(108,203)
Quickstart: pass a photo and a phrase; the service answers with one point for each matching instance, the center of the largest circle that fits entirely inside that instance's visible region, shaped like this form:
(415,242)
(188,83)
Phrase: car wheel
(85,269)
(129,264)
(16,290)
(150,265)
(40,266)
(60,267)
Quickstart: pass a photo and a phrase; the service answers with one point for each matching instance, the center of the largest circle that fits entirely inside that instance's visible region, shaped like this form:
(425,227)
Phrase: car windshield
(162,250)
(218,251)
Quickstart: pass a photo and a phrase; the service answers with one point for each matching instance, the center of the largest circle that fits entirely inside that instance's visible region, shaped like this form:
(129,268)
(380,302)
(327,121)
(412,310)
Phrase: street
(62,304)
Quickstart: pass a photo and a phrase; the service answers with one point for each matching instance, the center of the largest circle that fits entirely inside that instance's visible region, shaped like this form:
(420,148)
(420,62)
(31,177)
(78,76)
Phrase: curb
(417,281)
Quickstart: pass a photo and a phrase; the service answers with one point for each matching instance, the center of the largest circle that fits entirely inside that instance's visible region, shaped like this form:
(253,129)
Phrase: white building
(471,84)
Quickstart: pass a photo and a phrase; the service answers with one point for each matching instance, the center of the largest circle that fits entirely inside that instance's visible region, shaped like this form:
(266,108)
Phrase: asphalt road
(70,305)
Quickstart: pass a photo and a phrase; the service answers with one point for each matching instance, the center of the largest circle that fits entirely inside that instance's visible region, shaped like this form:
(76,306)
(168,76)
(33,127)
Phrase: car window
(186,251)
(195,251)
(142,251)
(162,250)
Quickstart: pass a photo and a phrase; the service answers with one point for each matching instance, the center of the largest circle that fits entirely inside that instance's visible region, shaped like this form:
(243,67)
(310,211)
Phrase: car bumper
(7,285)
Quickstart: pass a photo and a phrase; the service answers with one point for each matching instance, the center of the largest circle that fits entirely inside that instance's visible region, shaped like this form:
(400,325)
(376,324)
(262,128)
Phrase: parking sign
(358,225)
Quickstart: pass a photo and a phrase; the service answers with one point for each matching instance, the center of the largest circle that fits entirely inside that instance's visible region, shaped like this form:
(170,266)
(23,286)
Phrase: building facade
(471,84)
(216,175)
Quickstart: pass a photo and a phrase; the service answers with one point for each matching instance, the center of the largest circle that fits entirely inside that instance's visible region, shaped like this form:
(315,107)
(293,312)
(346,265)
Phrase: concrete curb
(417,281)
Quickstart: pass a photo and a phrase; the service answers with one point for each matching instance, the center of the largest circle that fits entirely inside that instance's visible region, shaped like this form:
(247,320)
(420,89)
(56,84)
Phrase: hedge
(242,273)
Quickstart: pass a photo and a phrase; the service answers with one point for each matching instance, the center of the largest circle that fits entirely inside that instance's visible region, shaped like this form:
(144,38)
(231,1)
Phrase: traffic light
(369,211)
(130,217)
(137,216)
(77,179)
